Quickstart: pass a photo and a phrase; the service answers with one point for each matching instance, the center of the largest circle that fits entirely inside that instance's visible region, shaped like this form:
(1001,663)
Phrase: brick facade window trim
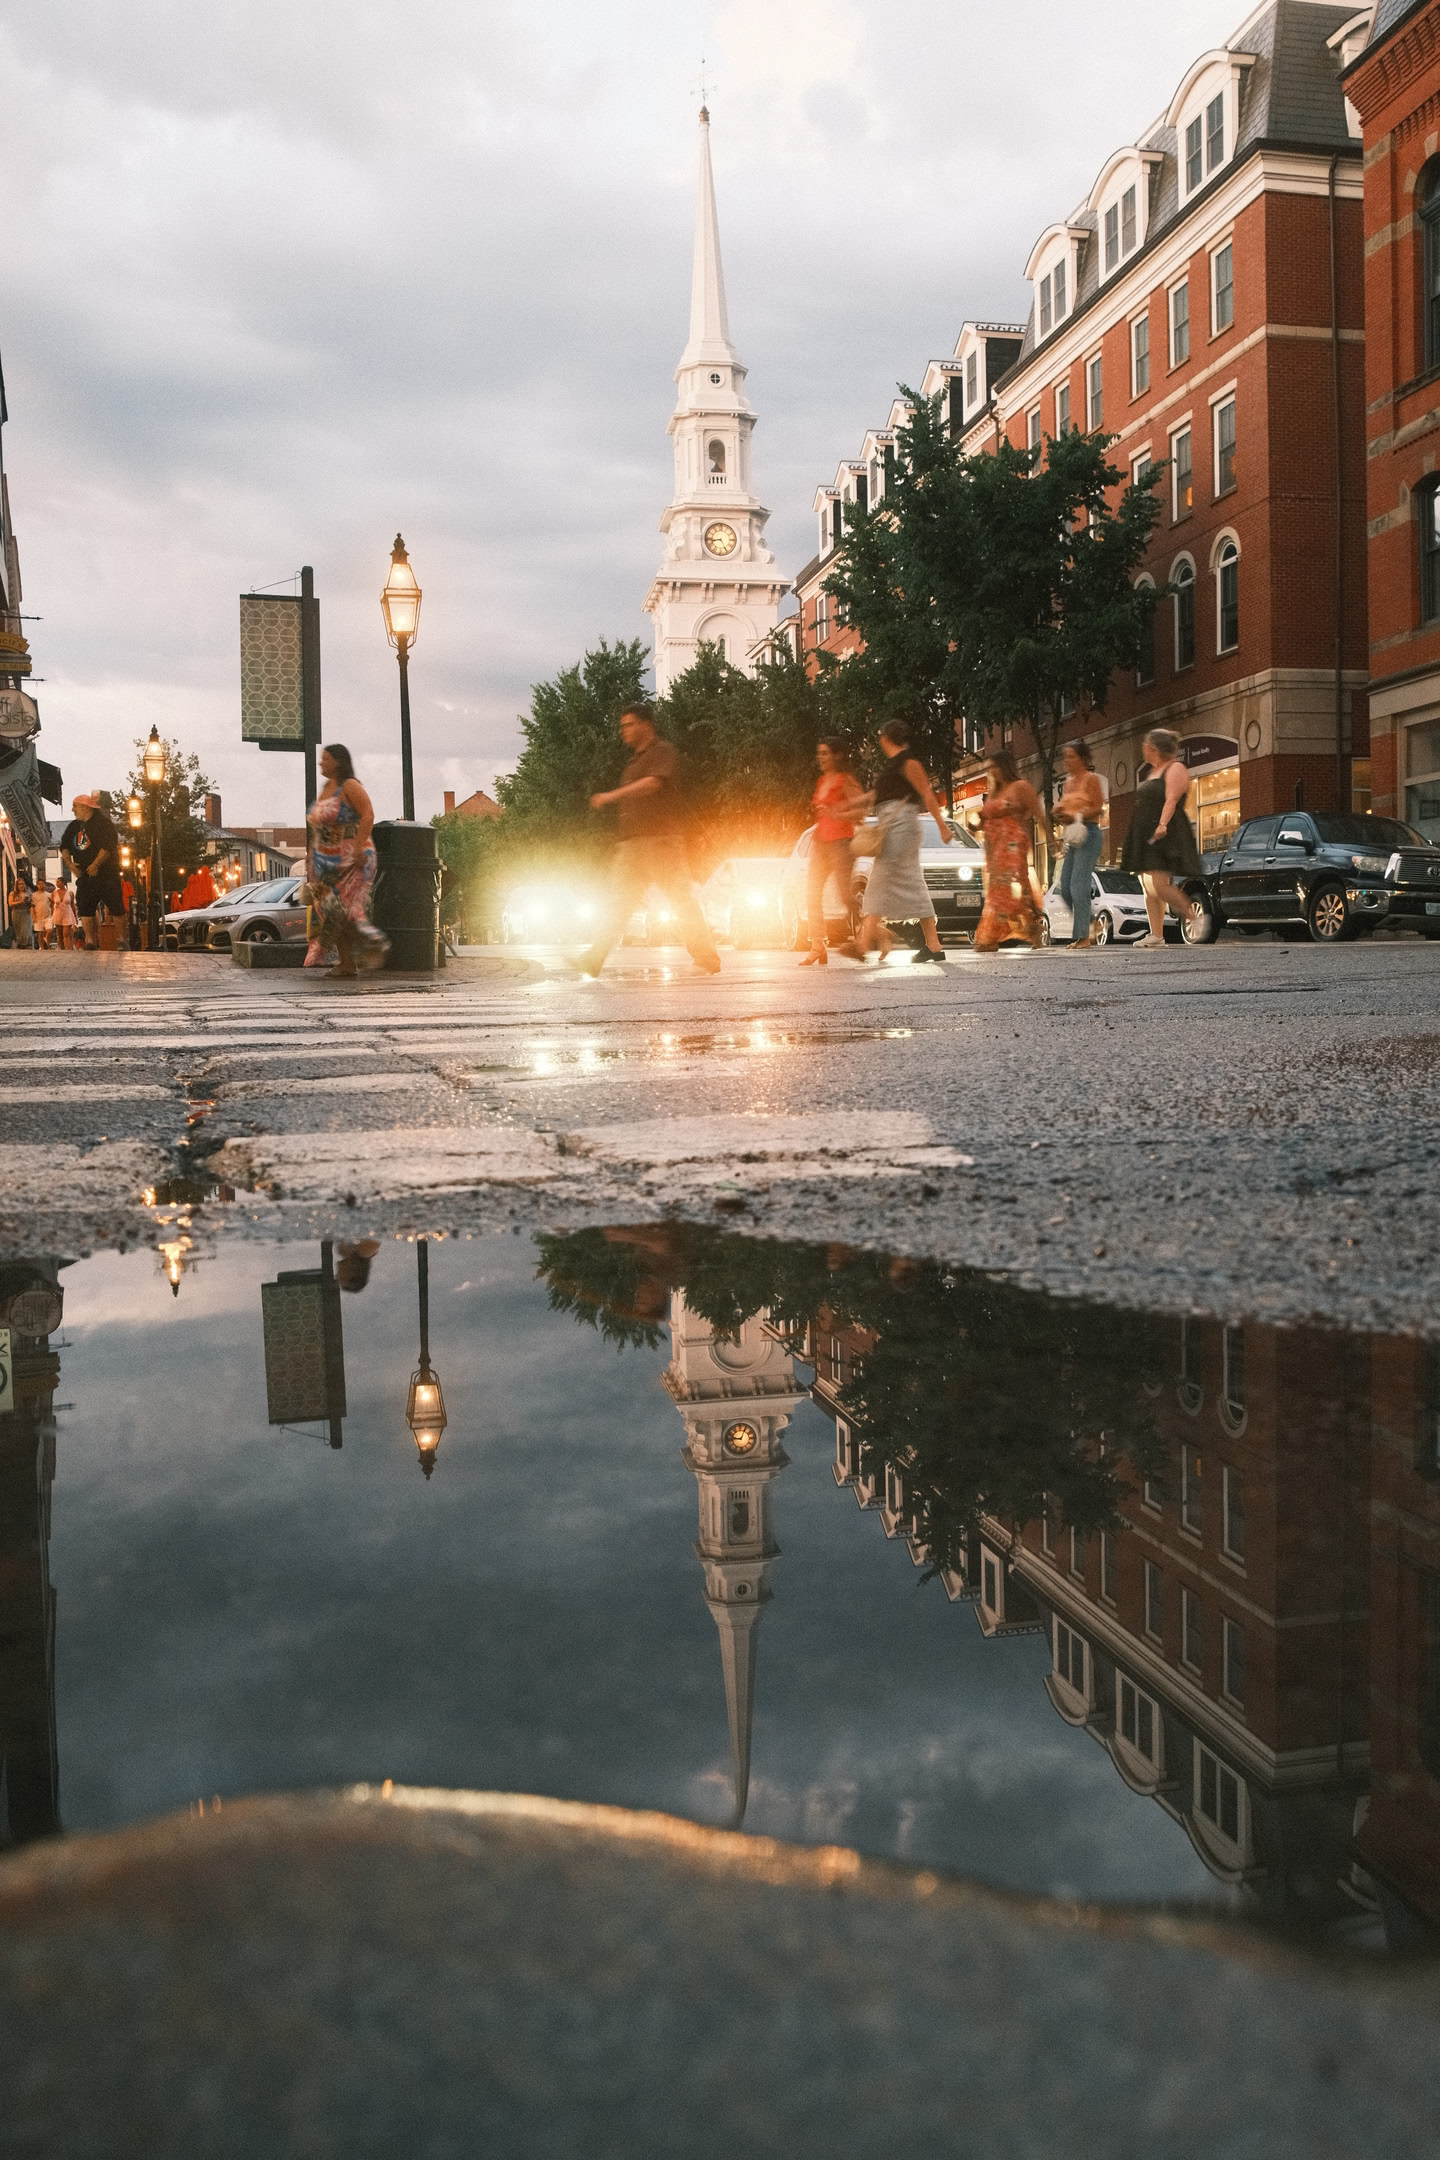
(1223,444)
(1427,512)
(1182,577)
(1182,469)
(1225,555)
(1222,288)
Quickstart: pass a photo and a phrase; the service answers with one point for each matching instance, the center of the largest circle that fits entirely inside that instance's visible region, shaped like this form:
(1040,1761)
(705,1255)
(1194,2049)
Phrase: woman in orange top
(836,801)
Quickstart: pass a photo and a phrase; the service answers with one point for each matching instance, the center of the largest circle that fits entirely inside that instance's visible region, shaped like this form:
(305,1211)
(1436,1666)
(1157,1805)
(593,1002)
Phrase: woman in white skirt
(896,891)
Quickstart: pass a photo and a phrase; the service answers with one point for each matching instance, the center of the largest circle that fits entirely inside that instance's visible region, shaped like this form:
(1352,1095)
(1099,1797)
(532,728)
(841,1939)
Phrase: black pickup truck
(1335,874)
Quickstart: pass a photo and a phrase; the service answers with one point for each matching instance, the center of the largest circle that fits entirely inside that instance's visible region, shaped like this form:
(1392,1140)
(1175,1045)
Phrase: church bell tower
(736,1397)
(718,582)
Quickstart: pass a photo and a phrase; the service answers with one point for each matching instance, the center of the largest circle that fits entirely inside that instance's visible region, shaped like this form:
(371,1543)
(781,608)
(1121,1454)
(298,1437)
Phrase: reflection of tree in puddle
(985,1399)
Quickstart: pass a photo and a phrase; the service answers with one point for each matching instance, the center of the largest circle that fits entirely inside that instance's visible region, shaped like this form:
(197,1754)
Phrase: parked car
(270,915)
(188,929)
(952,878)
(1334,874)
(741,900)
(1117,902)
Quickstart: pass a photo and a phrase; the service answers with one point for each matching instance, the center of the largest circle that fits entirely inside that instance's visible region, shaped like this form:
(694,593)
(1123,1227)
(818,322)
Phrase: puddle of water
(1079,1601)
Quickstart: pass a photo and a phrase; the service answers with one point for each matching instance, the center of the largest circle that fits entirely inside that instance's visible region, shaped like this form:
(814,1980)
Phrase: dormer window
(1120,204)
(972,379)
(1047,307)
(1205,115)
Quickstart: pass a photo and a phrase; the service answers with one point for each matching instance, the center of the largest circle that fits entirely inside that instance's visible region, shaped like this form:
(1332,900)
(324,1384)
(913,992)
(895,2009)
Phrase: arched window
(1145,651)
(1428,191)
(715,451)
(1182,577)
(1227,596)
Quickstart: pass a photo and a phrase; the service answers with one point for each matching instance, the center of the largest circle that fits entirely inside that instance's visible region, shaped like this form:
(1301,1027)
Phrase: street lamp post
(154,767)
(135,817)
(400,604)
(425,1409)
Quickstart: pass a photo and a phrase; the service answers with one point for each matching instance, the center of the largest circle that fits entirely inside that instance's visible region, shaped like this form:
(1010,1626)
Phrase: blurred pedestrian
(63,918)
(1078,812)
(651,845)
(1009,812)
(342,871)
(896,890)
(40,913)
(837,801)
(22,929)
(1160,844)
(89,845)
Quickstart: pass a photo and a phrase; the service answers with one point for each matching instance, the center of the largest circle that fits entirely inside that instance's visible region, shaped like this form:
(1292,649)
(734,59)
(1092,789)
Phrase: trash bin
(406,901)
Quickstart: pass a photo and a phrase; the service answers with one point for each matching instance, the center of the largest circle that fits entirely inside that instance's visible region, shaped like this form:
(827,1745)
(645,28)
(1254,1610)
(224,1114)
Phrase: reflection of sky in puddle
(240,1608)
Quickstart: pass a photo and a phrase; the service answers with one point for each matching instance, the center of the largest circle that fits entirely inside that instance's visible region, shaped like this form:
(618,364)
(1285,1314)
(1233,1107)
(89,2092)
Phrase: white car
(1117,909)
(952,878)
(741,899)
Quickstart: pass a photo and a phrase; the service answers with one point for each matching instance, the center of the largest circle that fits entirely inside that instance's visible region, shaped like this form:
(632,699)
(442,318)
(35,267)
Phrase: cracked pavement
(1250,1127)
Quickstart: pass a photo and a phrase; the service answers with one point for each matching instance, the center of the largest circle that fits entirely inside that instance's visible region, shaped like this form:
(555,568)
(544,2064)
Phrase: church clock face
(741,1440)
(721,539)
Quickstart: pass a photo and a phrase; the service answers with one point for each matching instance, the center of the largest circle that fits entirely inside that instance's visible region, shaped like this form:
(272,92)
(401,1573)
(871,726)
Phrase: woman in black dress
(1160,844)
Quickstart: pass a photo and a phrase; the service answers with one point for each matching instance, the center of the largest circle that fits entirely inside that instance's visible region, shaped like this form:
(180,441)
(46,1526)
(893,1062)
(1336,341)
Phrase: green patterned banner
(272,700)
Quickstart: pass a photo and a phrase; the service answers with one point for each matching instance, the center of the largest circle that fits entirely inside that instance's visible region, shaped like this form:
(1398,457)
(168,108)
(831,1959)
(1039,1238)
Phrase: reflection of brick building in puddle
(1398,1841)
(1217,1642)
(31,1305)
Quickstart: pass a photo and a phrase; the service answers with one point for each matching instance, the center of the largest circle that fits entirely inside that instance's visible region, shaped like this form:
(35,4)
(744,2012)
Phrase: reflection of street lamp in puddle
(425,1410)
(175,1255)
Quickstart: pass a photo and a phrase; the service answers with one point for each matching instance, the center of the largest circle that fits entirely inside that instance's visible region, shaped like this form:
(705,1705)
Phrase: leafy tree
(748,745)
(1051,609)
(995,589)
(185,838)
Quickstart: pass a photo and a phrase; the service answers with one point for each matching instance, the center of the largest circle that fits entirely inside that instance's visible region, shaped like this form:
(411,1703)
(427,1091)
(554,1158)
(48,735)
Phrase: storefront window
(1215,806)
(1422,777)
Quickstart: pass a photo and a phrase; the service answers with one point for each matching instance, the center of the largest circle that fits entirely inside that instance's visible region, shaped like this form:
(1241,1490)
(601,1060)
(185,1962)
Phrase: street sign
(272,672)
(7,1373)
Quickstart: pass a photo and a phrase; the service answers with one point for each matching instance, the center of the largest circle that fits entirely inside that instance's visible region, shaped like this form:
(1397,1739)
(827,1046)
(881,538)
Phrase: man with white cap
(88,844)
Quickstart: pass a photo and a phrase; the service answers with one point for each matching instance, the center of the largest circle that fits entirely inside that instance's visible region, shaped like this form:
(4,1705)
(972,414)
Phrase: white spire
(709,323)
(736,1624)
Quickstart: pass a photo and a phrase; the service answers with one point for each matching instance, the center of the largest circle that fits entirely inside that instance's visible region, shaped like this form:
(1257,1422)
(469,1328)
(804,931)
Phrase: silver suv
(271,915)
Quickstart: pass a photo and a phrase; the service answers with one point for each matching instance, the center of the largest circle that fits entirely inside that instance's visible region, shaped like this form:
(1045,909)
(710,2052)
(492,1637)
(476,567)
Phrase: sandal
(815,959)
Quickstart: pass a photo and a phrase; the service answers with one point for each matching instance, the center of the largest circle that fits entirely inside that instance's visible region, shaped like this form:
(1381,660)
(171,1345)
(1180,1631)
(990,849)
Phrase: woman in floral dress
(342,870)
(1006,816)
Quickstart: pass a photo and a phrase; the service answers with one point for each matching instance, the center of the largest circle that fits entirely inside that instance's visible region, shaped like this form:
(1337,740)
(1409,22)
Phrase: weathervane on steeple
(703,83)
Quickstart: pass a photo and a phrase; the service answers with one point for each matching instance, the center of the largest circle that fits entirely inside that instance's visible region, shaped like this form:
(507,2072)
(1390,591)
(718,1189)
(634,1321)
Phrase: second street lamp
(400,604)
(153,763)
(425,1407)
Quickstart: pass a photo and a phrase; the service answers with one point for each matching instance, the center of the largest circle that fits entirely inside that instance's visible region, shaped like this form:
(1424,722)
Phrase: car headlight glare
(1378,864)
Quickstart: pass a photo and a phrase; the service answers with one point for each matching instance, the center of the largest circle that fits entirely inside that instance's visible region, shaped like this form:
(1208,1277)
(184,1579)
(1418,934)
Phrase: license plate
(1432,907)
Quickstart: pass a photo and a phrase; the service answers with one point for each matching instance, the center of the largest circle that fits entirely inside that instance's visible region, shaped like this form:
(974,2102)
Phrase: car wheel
(1045,937)
(1201,928)
(264,933)
(1104,928)
(1328,915)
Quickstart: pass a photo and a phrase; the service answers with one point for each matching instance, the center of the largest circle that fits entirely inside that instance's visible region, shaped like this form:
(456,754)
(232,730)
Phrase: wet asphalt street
(1251,1127)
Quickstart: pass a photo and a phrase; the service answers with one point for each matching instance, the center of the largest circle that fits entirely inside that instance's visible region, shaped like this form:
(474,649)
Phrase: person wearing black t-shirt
(88,844)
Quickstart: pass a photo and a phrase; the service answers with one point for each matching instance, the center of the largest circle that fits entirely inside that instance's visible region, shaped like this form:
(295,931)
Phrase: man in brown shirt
(651,848)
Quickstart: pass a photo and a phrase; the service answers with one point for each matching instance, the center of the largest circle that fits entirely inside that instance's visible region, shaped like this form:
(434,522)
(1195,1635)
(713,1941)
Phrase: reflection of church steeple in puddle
(736,1397)
(31,1305)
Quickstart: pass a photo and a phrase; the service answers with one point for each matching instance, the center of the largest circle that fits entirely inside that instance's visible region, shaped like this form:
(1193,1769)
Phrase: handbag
(1076,833)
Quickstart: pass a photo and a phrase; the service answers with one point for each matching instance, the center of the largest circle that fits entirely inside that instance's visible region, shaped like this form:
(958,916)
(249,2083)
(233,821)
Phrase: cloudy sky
(279,279)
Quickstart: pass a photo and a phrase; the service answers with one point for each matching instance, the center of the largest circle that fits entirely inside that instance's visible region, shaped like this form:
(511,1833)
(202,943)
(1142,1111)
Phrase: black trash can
(406,902)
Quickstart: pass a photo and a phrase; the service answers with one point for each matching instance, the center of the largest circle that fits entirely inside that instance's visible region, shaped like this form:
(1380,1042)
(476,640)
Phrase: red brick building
(1203,304)
(1395,86)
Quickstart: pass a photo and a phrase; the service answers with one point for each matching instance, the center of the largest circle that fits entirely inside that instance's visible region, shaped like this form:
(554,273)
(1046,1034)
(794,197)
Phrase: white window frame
(1062,390)
(1229,1629)
(1155,1762)
(1217,249)
(1154,1575)
(1187,562)
(1192,1621)
(1141,462)
(1219,559)
(1231,1481)
(1143,682)
(1074,1641)
(1176,429)
(972,380)
(1034,429)
(1110,237)
(1223,401)
(1240,1843)
(1190,1455)
(1171,293)
(1107,1566)
(1077,1554)
(1137,388)
(1094,423)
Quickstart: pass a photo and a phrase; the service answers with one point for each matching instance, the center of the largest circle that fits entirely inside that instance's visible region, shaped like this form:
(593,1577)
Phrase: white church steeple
(718,582)
(735,1397)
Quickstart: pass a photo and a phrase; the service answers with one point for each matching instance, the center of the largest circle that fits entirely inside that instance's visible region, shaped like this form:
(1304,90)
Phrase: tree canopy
(998,590)
(185,838)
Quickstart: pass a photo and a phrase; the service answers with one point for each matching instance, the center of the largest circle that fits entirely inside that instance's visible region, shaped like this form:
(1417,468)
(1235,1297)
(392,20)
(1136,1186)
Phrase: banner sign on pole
(272,671)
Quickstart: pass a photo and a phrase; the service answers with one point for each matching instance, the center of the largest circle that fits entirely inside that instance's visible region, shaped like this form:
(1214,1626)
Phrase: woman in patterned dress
(1006,815)
(342,870)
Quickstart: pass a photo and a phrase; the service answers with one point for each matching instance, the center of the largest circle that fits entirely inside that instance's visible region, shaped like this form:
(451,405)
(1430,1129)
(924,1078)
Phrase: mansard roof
(1291,98)
(1389,15)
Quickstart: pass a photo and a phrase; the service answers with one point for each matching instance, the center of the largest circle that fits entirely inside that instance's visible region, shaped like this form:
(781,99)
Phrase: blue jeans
(1075,873)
